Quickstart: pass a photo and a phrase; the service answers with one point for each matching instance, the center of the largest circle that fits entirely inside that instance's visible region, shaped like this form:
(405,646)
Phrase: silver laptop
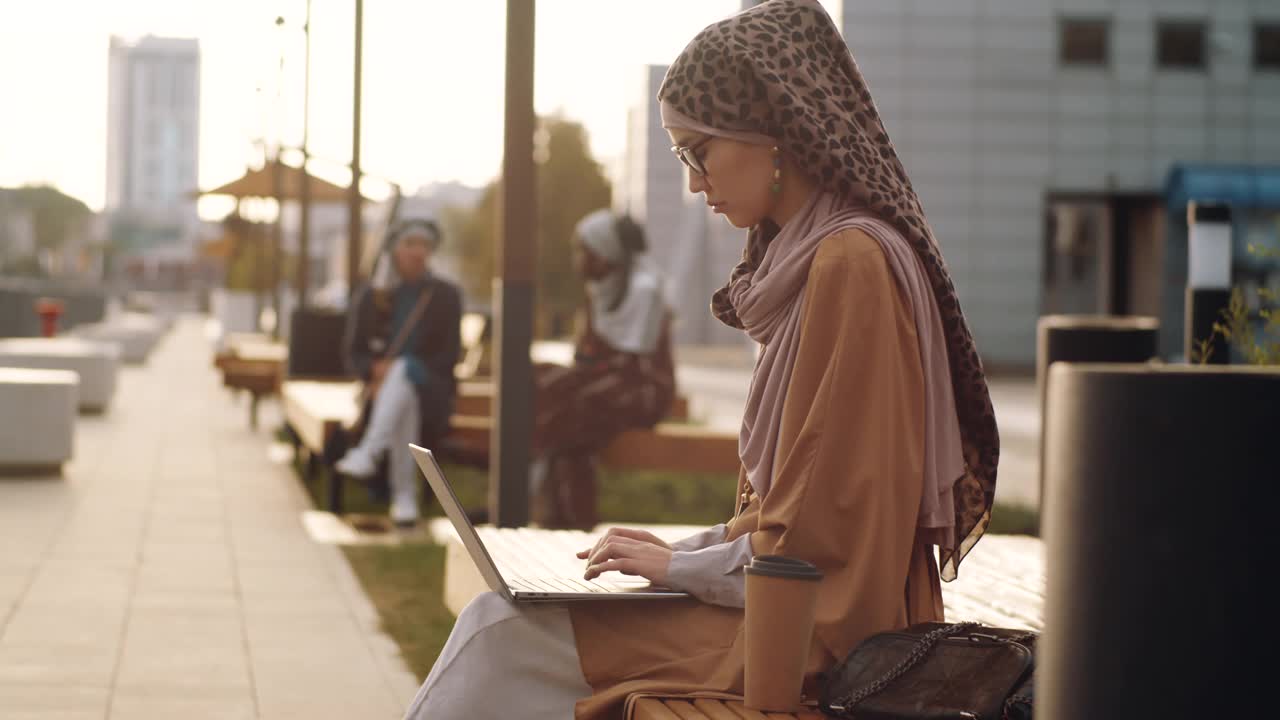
(528,564)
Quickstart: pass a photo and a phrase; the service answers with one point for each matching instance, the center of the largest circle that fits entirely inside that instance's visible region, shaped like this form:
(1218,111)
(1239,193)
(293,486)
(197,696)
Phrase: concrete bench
(38,416)
(136,334)
(95,363)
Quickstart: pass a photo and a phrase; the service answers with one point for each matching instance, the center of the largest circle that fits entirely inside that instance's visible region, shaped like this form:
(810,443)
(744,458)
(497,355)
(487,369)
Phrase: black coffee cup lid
(783,567)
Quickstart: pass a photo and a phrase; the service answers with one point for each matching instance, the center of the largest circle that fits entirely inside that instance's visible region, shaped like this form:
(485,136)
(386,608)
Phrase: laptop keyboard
(543,561)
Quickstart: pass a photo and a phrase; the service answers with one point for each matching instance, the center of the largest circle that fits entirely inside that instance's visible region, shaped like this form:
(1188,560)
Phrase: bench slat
(652,709)
(475,397)
(315,408)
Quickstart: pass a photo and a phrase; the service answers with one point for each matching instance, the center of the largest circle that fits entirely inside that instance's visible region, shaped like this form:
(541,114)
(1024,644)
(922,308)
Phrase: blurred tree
(474,231)
(570,184)
(56,216)
(249,266)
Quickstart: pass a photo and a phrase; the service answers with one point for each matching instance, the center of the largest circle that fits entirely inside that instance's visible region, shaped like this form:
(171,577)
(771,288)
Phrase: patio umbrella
(259,183)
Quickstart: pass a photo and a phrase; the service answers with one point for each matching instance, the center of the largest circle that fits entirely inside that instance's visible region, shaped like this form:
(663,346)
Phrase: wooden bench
(253,362)
(316,410)
(1001,585)
(677,708)
(255,366)
(667,446)
(475,398)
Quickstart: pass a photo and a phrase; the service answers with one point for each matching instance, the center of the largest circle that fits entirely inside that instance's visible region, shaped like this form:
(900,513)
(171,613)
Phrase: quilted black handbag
(935,671)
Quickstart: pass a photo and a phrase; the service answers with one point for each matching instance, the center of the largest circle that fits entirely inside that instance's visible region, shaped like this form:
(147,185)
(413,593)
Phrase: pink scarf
(770,303)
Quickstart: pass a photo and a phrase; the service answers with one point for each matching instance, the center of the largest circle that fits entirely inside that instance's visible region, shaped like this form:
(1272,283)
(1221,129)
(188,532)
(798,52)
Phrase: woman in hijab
(403,338)
(622,376)
(868,443)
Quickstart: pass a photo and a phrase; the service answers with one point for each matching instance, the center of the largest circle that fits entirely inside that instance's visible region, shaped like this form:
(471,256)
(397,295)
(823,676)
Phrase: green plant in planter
(1237,327)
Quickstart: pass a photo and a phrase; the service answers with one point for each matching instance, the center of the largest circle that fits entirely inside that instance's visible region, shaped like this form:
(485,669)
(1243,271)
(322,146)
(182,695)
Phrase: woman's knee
(485,609)
(399,366)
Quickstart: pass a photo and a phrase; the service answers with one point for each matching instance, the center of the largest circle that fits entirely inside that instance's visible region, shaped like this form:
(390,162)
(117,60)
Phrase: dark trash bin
(315,343)
(1089,338)
(1160,484)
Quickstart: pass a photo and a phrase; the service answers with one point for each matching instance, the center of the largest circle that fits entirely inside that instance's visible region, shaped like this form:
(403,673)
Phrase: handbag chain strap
(922,647)
(843,706)
(1014,699)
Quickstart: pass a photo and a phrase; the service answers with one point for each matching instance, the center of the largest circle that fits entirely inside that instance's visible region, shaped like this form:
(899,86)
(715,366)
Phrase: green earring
(776,187)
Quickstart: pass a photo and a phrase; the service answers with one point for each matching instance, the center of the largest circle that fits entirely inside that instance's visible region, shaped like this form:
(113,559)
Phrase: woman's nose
(697,183)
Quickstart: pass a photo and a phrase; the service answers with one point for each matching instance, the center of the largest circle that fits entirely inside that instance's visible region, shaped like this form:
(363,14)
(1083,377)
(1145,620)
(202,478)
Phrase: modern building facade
(153,126)
(1041,136)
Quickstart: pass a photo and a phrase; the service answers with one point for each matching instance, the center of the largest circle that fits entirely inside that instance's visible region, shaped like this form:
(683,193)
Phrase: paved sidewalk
(167,574)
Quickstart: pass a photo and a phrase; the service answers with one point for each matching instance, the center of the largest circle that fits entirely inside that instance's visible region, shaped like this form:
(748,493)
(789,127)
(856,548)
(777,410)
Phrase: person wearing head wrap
(868,445)
(622,378)
(415,386)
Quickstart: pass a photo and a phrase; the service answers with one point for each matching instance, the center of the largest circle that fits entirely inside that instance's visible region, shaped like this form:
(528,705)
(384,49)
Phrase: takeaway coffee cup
(782,593)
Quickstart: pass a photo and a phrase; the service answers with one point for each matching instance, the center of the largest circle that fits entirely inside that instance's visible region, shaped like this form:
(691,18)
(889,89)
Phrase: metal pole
(513,288)
(304,190)
(277,191)
(354,224)
(277,235)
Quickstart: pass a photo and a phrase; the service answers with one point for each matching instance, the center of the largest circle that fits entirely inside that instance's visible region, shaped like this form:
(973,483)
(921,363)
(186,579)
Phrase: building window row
(1180,44)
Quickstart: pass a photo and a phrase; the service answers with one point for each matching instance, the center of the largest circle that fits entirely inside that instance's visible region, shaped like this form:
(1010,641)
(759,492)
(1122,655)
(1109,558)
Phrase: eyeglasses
(689,156)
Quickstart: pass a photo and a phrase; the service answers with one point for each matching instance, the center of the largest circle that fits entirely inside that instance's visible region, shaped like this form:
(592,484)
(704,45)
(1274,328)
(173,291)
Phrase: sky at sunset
(432,79)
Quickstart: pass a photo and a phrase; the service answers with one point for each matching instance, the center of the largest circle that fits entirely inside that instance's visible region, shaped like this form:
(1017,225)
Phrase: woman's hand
(630,552)
(631,533)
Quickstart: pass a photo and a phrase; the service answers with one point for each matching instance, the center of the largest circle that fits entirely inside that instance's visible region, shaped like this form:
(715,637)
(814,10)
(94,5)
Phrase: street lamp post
(354,224)
(513,288)
(277,190)
(304,189)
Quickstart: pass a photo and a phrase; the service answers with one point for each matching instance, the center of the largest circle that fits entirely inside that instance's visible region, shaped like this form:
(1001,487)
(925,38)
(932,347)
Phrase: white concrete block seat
(135,333)
(37,419)
(96,364)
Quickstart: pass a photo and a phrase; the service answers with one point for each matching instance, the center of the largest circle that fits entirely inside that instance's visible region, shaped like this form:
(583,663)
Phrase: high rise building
(153,127)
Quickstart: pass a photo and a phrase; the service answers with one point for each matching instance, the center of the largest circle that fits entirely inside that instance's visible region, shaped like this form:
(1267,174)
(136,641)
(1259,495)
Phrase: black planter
(316,344)
(1159,481)
(1089,338)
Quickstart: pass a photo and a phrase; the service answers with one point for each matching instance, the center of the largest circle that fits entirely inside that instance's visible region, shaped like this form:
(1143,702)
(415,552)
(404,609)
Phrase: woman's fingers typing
(619,532)
(629,556)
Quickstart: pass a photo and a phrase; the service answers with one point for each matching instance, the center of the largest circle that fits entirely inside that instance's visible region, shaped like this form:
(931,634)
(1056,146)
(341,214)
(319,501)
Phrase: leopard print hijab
(781,69)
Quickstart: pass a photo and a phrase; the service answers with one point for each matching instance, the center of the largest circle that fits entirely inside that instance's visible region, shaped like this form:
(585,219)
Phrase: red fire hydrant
(49,310)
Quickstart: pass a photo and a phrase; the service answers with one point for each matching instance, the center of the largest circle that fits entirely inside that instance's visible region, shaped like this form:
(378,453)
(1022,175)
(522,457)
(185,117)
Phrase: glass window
(1180,44)
(1084,41)
(1266,46)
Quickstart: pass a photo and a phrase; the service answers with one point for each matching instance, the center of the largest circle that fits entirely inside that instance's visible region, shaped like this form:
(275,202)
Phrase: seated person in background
(403,340)
(622,377)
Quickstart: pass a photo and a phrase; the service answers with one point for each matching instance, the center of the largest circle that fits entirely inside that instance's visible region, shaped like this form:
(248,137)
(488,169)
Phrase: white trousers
(393,424)
(504,660)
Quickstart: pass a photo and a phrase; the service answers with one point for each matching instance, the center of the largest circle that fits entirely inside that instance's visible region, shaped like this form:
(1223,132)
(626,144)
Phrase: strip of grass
(406,585)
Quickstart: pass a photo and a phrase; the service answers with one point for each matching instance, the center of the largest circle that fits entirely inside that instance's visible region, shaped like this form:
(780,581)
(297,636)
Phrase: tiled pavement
(166,574)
